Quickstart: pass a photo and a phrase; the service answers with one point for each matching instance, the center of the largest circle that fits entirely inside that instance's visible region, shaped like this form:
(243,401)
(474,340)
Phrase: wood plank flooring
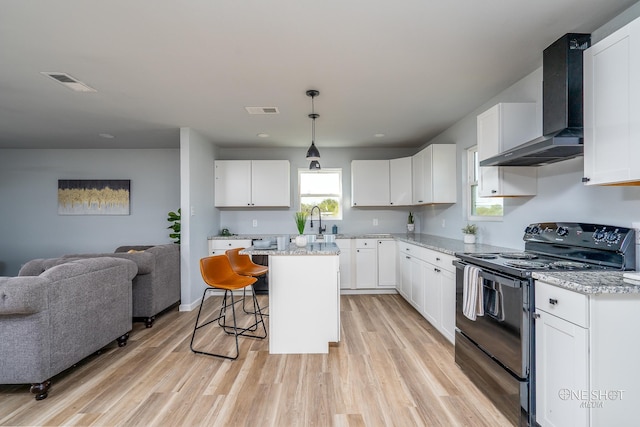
(392,368)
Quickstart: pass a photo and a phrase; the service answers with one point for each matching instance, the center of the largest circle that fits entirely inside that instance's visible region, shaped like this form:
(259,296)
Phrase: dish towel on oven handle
(472,293)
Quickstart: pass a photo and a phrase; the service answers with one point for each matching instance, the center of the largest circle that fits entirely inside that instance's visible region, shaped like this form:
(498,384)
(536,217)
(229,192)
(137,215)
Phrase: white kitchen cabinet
(427,281)
(400,185)
(252,183)
(500,128)
(381,182)
(387,263)
(366,263)
(346,272)
(370,183)
(586,357)
(434,175)
(219,246)
(404,282)
(612,108)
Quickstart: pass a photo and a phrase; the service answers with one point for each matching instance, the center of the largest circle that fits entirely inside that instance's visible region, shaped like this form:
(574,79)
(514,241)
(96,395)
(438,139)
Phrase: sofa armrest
(23,295)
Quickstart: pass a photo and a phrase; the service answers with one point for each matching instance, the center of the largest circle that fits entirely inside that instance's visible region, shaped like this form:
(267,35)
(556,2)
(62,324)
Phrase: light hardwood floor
(392,368)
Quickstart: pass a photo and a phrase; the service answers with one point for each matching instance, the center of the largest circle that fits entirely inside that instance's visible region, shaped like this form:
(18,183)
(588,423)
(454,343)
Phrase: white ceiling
(407,69)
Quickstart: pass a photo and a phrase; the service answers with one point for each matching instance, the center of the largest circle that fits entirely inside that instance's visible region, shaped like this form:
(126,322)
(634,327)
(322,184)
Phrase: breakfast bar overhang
(304,297)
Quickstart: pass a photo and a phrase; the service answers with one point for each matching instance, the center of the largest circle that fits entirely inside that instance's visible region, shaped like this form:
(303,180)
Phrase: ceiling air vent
(69,82)
(262,110)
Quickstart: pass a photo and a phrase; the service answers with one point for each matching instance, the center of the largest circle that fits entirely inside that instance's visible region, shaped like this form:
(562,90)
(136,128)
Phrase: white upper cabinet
(381,182)
(612,108)
(434,175)
(500,128)
(369,182)
(400,186)
(252,183)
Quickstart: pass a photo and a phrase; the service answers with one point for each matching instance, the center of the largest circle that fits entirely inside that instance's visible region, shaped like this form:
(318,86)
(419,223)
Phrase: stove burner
(518,255)
(569,265)
(533,265)
(485,256)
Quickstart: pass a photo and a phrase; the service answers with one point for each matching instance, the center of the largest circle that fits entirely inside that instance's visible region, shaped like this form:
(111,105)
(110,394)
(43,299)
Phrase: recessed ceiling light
(379,135)
(106,135)
(68,81)
(263,135)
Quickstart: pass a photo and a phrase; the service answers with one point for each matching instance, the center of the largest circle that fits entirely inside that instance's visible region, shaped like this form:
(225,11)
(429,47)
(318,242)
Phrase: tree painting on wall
(93,196)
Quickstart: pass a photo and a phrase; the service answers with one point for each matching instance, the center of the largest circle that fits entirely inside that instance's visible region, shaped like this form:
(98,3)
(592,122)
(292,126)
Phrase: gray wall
(30,226)
(199,218)
(355,220)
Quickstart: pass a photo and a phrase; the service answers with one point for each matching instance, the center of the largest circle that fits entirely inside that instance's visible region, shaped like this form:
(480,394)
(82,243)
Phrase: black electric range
(563,246)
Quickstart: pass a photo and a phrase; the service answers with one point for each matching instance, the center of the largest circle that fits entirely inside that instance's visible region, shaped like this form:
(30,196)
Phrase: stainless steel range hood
(562,108)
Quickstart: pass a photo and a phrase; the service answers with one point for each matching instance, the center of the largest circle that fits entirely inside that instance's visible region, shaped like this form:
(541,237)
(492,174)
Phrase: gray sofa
(156,287)
(53,320)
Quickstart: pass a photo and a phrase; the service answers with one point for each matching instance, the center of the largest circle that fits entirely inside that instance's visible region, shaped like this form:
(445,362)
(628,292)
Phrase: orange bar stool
(243,265)
(217,273)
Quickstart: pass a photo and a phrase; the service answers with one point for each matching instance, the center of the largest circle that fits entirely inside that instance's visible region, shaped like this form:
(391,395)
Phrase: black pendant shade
(314,165)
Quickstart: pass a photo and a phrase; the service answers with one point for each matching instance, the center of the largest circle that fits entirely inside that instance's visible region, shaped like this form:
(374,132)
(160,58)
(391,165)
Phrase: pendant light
(314,165)
(312,153)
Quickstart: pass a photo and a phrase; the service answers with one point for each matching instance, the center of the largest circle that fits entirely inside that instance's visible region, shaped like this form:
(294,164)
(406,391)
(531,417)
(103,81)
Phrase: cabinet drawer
(563,303)
(412,250)
(443,261)
(366,243)
(218,247)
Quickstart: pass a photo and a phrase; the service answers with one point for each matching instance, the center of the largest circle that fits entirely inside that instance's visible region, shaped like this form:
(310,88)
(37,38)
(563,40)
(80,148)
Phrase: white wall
(30,226)
(199,218)
(280,221)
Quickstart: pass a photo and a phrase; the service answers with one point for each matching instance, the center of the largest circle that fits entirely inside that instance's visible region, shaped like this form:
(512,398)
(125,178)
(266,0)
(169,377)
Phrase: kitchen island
(304,297)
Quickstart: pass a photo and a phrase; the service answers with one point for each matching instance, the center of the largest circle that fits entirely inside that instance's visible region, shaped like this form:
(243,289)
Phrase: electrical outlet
(443,223)
(375,221)
(636,225)
(255,222)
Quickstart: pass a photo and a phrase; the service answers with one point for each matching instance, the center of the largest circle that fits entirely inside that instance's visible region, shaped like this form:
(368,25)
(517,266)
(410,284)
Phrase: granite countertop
(436,243)
(589,282)
(316,248)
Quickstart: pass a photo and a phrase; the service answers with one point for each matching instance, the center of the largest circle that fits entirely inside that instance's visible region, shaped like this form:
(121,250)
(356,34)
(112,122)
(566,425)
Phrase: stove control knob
(612,237)
(562,231)
(534,229)
(599,235)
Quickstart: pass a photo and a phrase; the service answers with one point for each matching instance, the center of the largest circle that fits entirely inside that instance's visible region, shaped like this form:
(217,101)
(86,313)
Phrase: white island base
(304,303)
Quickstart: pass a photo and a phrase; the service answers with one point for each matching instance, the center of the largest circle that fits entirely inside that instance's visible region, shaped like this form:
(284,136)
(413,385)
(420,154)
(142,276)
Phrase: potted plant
(470,231)
(301,221)
(410,223)
(174,219)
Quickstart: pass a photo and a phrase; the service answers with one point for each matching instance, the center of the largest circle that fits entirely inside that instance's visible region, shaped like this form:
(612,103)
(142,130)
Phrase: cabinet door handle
(437,270)
(553,301)
(437,259)
(408,257)
(494,191)
(586,179)
(536,316)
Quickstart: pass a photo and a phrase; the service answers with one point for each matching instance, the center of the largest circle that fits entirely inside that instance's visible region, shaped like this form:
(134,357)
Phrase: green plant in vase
(470,231)
(301,222)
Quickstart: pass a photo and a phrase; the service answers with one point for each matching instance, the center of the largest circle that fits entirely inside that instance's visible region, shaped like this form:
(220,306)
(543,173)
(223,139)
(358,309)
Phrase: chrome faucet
(320,229)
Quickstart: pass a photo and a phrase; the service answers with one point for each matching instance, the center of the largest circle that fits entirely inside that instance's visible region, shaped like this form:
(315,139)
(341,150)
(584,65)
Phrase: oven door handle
(511,282)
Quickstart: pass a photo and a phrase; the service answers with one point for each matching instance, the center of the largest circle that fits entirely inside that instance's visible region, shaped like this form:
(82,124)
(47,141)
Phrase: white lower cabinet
(346,280)
(427,281)
(387,272)
(219,246)
(586,358)
(366,263)
(375,264)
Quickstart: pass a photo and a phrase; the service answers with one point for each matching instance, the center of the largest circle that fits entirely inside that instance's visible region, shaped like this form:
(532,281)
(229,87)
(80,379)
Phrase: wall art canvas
(93,196)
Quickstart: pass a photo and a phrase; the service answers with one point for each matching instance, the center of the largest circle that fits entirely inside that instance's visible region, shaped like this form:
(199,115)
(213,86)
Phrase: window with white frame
(322,188)
(488,208)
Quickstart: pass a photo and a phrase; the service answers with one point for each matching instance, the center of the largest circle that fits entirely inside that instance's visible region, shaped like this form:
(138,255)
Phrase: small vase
(469,238)
(301,240)
(411,228)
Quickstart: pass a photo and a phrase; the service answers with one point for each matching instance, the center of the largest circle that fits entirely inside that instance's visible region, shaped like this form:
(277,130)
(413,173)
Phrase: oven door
(503,331)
